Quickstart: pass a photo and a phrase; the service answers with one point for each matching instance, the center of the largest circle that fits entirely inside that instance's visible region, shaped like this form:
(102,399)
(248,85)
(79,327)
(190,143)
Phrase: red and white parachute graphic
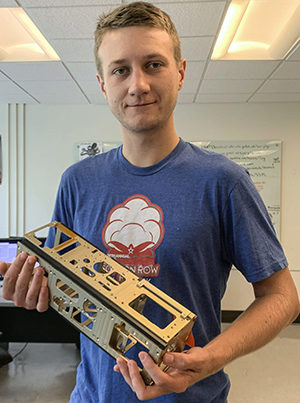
(133,230)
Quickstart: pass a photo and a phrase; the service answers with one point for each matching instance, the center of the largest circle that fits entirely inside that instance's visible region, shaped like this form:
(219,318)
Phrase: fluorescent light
(258,30)
(20,39)
(229,27)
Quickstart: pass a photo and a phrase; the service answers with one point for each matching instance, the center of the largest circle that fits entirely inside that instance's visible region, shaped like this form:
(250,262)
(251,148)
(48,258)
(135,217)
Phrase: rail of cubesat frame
(104,299)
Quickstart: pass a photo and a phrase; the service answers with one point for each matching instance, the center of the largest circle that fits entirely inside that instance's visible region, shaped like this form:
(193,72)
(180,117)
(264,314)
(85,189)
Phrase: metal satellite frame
(105,300)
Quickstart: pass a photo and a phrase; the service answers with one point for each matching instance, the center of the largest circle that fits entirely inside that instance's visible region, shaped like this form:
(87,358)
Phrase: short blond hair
(135,14)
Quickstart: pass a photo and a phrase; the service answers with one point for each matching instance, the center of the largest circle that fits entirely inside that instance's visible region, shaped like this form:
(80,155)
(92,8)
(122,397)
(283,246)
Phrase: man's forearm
(258,325)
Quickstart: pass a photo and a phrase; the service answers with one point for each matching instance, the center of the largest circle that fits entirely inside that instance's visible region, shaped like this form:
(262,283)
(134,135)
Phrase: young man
(195,213)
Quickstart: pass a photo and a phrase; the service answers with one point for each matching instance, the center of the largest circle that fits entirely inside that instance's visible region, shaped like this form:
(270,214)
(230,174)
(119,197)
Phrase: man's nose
(139,83)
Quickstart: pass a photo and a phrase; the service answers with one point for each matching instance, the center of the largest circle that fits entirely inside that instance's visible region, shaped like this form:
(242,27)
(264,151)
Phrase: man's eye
(120,71)
(155,65)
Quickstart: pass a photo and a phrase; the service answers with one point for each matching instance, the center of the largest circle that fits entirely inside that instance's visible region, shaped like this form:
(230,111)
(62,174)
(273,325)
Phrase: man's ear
(102,85)
(181,71)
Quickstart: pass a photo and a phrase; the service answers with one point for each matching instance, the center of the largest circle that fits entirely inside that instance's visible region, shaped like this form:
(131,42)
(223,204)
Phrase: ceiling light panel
(20,39)
(258,30)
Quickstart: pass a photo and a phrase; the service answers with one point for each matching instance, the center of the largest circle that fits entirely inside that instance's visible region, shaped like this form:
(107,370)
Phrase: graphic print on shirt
(133,230)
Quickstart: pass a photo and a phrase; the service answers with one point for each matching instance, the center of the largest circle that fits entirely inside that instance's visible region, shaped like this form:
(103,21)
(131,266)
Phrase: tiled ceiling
(69,25)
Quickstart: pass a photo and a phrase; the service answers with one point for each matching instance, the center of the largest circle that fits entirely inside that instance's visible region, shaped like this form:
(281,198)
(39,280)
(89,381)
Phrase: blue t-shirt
(181,223)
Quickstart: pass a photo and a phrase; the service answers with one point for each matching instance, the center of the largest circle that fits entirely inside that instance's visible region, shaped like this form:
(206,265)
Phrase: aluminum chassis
(104,299)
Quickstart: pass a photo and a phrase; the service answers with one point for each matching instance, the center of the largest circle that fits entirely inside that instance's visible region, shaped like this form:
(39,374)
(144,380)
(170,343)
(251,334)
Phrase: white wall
(4,185)
(47,135)
(12,188)
(51,133)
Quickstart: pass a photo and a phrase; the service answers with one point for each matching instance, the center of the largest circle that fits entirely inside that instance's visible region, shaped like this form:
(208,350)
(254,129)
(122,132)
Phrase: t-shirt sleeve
(63,209)
(64,205)
(250,239)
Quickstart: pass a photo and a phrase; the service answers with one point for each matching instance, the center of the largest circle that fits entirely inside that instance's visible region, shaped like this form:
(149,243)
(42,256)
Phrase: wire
(21,351)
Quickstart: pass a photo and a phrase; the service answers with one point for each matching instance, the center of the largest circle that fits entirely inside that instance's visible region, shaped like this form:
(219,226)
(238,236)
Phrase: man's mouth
(140,105)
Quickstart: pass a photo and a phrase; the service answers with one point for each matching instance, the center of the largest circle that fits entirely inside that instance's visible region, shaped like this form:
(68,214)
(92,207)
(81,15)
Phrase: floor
(46,373)
(271,374)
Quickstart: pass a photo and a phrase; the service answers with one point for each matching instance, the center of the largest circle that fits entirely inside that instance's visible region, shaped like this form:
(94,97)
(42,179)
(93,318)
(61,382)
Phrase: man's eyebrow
(154,55)
(117,62)
(150,56)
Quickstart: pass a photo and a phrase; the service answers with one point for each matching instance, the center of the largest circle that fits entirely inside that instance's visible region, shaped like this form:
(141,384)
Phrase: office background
(39,140)
(48,107)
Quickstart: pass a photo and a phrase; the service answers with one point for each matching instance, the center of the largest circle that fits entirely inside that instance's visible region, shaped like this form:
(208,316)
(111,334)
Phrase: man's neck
(143,150)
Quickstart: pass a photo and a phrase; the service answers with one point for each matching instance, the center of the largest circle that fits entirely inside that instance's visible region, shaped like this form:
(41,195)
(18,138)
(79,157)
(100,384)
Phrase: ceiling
(69,25)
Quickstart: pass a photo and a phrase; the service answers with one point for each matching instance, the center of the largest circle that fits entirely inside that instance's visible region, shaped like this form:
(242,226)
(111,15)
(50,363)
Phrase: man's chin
(141,127)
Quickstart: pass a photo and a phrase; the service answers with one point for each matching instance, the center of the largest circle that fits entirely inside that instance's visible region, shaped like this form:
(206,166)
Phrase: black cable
(21,351)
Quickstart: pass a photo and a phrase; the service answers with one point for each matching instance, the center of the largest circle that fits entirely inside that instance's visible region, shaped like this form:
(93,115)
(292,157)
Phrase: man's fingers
(175,360)
(132,376)
(23,281)
(123,369)
(163,382)
(11,276)
(43,300)
(187,360)
(117,369)
(4,267)
(137,383)
(33,296)
(24,284)
(151,367)
(135,376)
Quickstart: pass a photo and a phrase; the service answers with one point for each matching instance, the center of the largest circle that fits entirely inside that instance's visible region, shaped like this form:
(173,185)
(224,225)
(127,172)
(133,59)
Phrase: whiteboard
(263,161)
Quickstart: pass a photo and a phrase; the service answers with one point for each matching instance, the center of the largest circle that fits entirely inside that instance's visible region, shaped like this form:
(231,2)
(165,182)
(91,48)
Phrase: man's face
(141,78)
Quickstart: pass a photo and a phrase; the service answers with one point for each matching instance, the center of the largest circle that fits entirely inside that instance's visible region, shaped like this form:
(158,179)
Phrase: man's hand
(184,370)
(25,285)
(276,305)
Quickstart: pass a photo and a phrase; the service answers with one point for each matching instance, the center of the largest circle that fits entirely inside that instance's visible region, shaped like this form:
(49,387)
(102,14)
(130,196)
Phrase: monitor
(8,250)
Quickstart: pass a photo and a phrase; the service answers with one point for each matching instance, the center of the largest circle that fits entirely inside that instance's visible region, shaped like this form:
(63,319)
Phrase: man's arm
(275,306)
